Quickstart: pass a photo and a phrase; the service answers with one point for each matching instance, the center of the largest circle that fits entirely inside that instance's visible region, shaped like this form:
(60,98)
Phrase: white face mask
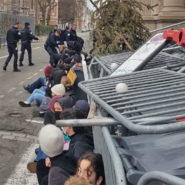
(64,131)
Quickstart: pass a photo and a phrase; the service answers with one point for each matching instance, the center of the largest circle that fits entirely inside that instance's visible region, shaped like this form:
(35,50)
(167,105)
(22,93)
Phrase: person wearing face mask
(90,167)
(56,106)
(79,143)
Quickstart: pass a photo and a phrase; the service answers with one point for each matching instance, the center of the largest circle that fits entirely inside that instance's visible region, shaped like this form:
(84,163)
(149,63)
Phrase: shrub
(43,29)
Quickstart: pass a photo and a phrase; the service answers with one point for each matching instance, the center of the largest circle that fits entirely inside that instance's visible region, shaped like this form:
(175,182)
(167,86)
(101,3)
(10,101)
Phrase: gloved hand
(58,42)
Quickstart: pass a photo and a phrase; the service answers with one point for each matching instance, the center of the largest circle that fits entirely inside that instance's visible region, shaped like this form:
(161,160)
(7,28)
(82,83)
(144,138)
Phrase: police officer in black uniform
(73,41)
(50,46)
(12,37)
(26,39)
(54,29)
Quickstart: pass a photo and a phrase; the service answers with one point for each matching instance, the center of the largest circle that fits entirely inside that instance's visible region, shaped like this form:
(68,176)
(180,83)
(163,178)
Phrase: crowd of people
(65,155)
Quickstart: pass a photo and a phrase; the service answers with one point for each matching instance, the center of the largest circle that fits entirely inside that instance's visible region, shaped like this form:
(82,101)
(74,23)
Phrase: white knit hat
(59,89)
(51,140)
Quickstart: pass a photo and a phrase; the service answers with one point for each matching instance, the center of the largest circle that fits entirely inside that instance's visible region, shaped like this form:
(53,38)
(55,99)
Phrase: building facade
(163,13)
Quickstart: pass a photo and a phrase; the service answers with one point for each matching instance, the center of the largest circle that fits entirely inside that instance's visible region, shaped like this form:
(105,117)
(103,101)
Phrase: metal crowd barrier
(162,60)
(160,177)
(153,98)
(114,171)
(167,27)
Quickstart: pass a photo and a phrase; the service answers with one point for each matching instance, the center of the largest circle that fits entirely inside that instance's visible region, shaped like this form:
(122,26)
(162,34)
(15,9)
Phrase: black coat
(80,144)
(52,41)
(13,36)
(27,36)
(79,94)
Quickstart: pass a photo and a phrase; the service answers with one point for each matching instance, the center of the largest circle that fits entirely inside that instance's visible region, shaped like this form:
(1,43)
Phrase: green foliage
(43,29)
(122,17)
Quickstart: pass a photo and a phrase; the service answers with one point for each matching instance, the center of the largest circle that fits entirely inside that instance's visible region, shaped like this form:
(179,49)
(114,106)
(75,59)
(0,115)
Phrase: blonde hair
(75,180)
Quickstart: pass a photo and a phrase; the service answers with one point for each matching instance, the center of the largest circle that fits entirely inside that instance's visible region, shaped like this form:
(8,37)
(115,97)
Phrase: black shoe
(31,64)
(21,64)
(16,70)
(4,68)
(36,151)
(24,104)
(26,88)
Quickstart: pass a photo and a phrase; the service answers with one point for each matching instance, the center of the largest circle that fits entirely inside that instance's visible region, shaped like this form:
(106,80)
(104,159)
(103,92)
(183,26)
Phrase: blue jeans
(37,96)
(40,155)
(40,82)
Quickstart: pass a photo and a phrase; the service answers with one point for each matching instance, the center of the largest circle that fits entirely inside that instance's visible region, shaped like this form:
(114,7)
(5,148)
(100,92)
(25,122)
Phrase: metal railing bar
(117,163)
(161,177)
(166,27)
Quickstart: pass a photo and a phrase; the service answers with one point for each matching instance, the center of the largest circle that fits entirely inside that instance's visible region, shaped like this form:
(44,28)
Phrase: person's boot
(21,64)
(4,68)
(16,70)
(31,64)
(31,166)
(27,88)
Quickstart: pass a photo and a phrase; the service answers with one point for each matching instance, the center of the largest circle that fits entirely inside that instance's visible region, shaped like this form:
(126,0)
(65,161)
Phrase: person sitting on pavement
(62,165)
(82,108)
(57,105)
(90,167)
(77,71)
(44,107)
(40,82)
(38,95)
(79,143)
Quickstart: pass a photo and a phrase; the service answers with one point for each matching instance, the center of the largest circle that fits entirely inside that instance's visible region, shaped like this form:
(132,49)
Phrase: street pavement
(19,126)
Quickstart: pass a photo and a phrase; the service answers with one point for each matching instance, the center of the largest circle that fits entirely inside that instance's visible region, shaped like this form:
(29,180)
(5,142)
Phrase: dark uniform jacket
(27,36)
(13,36)
(52,41)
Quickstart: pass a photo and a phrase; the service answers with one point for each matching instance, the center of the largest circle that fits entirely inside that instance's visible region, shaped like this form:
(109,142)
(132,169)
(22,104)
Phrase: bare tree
(46,6)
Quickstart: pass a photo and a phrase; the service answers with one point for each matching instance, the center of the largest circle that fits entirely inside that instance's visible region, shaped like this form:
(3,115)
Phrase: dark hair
(71,114)
(96,163)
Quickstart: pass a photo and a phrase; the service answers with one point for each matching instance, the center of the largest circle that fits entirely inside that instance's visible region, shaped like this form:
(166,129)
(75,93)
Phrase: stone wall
(164,12)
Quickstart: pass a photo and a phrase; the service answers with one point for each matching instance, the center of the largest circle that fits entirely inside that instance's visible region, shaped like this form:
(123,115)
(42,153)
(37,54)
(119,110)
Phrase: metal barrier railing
(152,93)
(162,60)
(160,177)
(114,171)
(167,27)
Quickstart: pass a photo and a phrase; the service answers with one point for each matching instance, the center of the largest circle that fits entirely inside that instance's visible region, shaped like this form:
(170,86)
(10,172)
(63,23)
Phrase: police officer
(72,36)
(12,37)
(50,46)
(54,29)
(26,39)
(73,41)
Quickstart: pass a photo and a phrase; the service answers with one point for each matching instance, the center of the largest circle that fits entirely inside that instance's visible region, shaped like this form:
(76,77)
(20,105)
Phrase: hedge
(43,29)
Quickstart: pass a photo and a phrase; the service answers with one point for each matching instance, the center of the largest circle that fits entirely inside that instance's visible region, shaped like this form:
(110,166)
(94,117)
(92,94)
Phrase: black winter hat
(77,58)
(27,24)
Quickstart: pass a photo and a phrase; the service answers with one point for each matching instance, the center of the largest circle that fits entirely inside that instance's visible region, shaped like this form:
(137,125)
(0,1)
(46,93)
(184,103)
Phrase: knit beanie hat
(47,71)
(52,103)
(51,140)
(82,106)
(58,89)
